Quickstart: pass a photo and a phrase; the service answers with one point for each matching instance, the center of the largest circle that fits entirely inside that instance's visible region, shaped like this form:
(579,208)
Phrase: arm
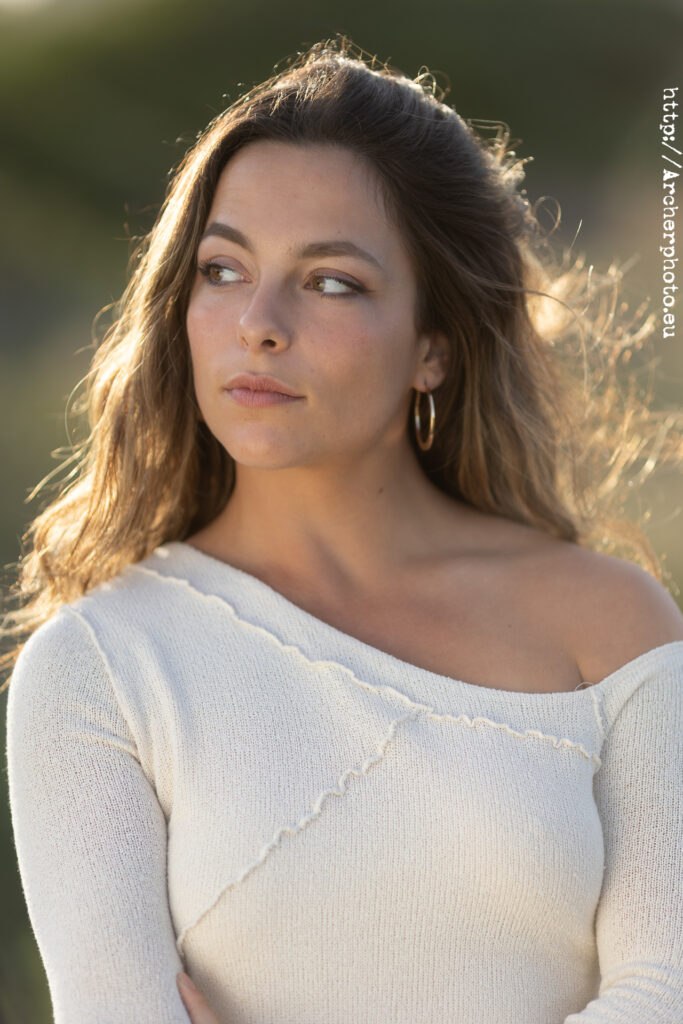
(90,837)
(639,796)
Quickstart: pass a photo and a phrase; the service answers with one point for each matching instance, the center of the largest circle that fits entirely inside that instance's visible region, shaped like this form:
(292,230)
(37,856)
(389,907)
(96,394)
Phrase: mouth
(260,399)
(260,383)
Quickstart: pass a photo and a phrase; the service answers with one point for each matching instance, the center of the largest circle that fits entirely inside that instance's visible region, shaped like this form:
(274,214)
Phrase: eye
(213,272)
(337,292)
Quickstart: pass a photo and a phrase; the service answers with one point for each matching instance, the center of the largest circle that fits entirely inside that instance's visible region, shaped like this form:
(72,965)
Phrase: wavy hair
(532,424)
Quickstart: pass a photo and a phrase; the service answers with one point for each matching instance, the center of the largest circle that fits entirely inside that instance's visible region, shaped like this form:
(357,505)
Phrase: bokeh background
(100,98)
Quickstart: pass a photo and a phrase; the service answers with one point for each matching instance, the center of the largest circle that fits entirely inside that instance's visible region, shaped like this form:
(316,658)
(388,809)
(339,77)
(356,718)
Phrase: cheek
(365,374)
(375,357)
(203,333)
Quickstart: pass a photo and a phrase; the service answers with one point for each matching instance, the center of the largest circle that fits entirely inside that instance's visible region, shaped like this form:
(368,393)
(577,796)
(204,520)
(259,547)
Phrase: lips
(261,399)
(259,382)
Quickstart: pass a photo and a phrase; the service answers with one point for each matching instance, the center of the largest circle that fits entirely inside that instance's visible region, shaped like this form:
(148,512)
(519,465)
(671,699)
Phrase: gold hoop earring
(425,444)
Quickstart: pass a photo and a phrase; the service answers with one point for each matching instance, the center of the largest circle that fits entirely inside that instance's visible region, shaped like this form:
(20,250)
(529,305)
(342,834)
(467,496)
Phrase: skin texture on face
(352,354)
(327,487)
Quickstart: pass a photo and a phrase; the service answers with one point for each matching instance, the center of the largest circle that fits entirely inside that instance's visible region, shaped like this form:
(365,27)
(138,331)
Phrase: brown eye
(348,286)
(214,272)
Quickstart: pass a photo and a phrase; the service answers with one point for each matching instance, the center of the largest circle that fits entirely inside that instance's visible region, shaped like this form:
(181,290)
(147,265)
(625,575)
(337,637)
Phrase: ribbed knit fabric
(205,776)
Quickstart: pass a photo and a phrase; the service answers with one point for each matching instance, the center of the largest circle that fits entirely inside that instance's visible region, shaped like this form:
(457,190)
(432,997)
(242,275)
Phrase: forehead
(304,187)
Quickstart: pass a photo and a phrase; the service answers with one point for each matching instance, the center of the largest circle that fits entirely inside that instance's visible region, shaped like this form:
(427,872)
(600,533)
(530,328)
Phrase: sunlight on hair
(542,415)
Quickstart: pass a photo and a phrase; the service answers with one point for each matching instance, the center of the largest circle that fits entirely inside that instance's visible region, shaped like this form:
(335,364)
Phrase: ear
(434,354)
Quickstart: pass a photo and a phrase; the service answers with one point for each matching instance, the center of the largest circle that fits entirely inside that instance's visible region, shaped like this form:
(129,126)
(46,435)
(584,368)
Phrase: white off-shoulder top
(204,776)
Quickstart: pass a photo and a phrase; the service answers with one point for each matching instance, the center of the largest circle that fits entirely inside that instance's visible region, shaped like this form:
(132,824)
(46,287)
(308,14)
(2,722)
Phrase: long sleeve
(90,837)
(203,775)
(639,796)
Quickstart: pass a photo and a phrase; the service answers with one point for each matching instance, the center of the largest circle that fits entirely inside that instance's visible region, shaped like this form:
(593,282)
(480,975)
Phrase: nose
(264,320)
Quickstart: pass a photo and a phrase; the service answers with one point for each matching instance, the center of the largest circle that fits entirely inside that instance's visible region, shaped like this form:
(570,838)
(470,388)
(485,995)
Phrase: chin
(262,453)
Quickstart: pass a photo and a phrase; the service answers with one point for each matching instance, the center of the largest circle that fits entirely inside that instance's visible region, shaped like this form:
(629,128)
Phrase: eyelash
(205,268)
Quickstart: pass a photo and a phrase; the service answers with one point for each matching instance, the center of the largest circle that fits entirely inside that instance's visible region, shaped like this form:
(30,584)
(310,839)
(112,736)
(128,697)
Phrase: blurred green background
(100,99)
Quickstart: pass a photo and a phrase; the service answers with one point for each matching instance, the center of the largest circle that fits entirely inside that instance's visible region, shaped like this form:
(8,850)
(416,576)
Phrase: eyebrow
(334,247)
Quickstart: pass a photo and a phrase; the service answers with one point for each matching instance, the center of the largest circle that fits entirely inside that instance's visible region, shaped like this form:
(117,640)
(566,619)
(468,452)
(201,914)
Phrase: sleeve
(639,917)
(90,837)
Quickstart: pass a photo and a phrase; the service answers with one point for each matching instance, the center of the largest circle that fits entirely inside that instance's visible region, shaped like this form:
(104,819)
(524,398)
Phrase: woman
(331,698)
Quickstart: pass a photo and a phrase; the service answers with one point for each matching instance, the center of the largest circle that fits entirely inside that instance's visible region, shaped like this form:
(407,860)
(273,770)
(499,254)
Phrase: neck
(351,524)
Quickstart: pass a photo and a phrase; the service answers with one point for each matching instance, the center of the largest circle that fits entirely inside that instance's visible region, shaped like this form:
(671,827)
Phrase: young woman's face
(273,297)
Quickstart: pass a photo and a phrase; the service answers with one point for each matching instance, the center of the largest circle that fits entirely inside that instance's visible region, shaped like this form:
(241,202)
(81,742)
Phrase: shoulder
(58,669)
(60,640)
(612,610)
(134,603)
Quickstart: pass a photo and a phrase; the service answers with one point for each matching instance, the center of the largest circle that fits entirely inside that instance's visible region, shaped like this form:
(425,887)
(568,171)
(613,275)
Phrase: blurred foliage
(100,100)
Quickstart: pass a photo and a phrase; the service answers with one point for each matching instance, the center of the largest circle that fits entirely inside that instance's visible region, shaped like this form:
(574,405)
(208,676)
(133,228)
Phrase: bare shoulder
(613,610)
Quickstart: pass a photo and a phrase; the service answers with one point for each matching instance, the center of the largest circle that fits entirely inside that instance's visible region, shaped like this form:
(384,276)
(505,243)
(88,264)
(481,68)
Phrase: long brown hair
(531,422)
